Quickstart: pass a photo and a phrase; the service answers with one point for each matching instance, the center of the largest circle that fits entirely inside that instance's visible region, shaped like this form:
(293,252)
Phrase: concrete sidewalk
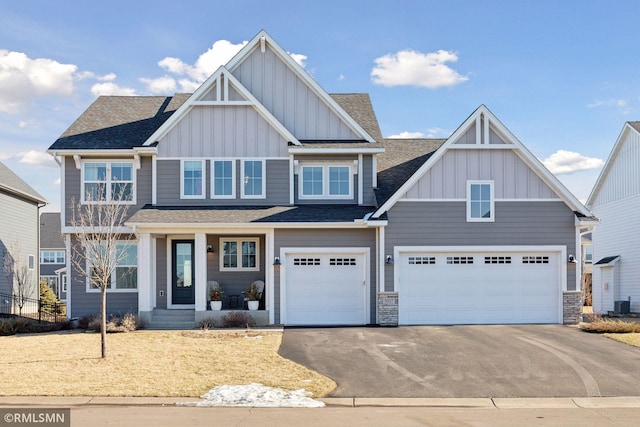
(358,402)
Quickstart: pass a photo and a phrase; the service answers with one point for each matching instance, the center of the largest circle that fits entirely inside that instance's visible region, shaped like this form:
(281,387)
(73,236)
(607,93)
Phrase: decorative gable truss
(482,151)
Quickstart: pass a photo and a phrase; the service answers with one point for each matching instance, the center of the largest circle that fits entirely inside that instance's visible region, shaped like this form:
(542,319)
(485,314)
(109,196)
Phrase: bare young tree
(100,235)
(20,276)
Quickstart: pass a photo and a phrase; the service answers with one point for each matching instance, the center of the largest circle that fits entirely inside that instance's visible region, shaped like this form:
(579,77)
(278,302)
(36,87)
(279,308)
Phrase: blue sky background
(563,76)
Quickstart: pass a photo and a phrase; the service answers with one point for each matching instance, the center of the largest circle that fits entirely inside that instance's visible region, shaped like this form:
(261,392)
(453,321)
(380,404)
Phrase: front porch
(188,319)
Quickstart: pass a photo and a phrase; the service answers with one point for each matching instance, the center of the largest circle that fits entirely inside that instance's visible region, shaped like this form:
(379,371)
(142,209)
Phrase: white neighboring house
(615,200)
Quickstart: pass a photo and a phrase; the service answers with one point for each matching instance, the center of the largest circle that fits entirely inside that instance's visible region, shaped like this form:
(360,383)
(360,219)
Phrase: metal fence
(13,306)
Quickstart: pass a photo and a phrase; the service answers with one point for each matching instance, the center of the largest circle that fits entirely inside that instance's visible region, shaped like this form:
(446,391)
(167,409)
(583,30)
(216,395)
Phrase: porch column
(145,285)
(201,271)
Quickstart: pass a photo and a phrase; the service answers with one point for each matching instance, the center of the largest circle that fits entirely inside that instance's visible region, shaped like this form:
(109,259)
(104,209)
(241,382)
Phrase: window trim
(55,252)
(204,179)
(326,181)
(113,288)
(263,195)
(239,241)
(491,200)
(233,179)
(108,182)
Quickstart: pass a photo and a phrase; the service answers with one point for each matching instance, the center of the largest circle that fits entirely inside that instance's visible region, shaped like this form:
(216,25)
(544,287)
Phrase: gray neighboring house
(19,210)
(53,254)
(260,174)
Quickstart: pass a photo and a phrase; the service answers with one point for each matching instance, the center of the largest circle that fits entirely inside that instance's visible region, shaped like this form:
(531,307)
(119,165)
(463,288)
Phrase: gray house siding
(73,186)
(18,227)
(168,185)
(327,238)
(445,224)
(85,303)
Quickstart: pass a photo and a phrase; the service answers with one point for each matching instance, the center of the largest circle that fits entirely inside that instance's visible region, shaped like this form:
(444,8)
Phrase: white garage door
(325,289)
(478,288)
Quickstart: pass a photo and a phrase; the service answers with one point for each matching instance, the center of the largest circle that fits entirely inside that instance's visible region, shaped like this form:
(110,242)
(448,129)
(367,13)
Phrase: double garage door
(324,288)
(478,287)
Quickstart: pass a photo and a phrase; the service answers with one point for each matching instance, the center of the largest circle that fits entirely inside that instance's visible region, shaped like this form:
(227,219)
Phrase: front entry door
(183,285)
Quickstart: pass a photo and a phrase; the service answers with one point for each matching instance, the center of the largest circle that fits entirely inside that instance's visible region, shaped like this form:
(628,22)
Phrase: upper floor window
(253,181)
(224,184)
(192,181)
(107,181)
(325,181)
(480,204)
(51,257)
(588,254)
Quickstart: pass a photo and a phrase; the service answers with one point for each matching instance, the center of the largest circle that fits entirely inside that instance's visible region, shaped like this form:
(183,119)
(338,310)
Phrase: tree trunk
(103,320)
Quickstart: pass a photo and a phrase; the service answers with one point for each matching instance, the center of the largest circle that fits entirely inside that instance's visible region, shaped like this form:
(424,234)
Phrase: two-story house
(260,174)
(19,208)
(53,254)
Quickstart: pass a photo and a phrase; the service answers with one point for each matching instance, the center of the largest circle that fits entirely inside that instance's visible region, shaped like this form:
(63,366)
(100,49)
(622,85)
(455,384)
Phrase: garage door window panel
(480,203)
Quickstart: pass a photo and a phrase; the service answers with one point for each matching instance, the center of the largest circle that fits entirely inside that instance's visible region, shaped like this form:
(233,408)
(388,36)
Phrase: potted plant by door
(253,296)
(215,295)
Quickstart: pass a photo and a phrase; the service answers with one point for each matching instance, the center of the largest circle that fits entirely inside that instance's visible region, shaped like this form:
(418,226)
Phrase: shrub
(20,325)
(611,326)
(126,323)
(238,319)
(207,323)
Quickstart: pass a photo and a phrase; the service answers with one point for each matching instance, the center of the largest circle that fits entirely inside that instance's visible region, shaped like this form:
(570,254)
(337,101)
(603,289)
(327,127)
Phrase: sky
(563,76)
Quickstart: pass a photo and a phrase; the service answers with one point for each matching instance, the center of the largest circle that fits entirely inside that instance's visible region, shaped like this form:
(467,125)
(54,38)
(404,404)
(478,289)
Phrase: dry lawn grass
(631,339)
(149,363)
(604,325)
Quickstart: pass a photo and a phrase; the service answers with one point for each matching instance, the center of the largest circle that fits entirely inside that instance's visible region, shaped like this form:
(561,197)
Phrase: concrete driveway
(467,361)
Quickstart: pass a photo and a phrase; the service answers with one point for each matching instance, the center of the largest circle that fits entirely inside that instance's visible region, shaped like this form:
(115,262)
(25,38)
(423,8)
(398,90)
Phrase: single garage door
(478,288)
(325,289)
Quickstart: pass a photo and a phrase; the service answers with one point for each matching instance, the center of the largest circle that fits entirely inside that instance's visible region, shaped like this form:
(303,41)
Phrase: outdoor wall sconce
(388,259)
(572,258)
(276,261)
(210,249)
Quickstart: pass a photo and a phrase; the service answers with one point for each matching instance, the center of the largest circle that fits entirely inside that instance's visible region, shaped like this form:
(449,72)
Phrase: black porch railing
(14,306)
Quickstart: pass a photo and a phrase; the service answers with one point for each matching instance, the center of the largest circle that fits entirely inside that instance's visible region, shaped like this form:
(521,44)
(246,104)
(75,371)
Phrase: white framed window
(52,257)
(239,254)
(192,179)
(125,276)
(253,179)
(51,281)
(588,254)
(223,177)
(107,181)
(480,203)
(325,181)
(64,282)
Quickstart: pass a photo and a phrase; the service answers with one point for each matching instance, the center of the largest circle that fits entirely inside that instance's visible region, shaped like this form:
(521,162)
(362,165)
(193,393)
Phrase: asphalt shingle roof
(12,183)
(635,125)
(249,214)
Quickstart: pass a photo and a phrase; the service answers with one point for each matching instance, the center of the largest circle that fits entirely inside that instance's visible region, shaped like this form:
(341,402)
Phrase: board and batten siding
(18,228)
(222,131)
(327,238)
(513,179)
(445,224)
(623,178)
(617,234)
(73,185)
(168,185)
(289,99)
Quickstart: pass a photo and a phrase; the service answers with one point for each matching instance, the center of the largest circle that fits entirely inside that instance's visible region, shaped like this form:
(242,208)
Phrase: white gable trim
(194,100)
(258,42)
(626,129)
(483,114)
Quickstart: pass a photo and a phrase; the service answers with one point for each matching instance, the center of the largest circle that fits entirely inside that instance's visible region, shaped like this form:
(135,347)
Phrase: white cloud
(437,133)
(299,58)
(23,79)
(37,158)
(5,156)
(621,104)
(57,181)
(341,77)
(408,67)
(110,89)
(563,162)
(160,85)
(408,135)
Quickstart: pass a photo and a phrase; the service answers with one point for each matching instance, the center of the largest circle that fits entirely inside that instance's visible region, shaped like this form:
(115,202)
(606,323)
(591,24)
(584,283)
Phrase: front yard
(149,363)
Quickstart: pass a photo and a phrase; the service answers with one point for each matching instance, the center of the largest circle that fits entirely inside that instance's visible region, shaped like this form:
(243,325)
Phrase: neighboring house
(615,199)
(19,208)
(260,174)
(53,254)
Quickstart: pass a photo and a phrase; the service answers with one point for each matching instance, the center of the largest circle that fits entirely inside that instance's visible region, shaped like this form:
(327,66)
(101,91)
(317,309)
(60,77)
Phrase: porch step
(172,319)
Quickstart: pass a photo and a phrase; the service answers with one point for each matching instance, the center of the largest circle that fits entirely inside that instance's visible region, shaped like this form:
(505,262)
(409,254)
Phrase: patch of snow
(257,396)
